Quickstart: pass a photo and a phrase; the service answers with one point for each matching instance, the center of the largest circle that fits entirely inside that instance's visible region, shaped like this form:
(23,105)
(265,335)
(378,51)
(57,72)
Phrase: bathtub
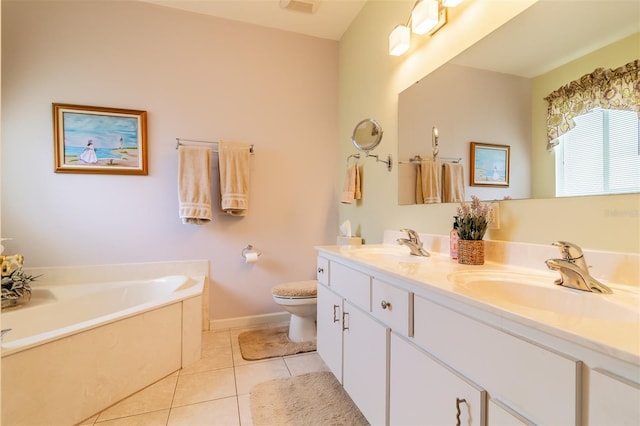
(76,349)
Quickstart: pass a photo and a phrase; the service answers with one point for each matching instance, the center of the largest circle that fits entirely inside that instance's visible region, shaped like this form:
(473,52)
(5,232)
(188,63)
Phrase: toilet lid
(296,289)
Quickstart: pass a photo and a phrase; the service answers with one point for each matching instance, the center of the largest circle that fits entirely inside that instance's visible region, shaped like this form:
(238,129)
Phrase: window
(600,155)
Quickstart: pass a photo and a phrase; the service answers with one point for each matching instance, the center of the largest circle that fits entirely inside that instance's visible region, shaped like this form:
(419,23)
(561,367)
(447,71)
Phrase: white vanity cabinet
(364,374)
(411,353)
(350,340)
(538,384)
(329,329)
(424,391)
(613,400)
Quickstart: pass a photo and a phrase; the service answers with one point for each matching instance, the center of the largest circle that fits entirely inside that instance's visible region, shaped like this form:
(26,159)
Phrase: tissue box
(349,241)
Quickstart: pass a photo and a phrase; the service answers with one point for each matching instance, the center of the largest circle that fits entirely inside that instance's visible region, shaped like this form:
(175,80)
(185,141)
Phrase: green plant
(16,284)
(472,219)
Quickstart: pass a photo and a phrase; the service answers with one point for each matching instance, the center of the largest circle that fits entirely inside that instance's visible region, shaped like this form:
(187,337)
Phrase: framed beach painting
(90,139)
(489,164)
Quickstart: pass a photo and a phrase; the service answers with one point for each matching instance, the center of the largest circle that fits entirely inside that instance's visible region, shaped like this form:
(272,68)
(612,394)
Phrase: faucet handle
(413,235)
(569,250)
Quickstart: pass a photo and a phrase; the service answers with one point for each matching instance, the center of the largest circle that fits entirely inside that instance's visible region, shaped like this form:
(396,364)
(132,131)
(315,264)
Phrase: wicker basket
(471,252)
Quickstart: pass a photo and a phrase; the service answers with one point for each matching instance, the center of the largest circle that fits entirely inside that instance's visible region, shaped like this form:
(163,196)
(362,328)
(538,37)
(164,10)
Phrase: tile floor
(213,391)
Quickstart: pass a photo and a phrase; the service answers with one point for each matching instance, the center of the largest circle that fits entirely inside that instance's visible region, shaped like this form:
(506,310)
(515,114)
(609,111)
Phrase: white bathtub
(77,349)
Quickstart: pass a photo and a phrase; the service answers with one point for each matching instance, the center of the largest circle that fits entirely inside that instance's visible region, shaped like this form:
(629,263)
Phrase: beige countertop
(607,324)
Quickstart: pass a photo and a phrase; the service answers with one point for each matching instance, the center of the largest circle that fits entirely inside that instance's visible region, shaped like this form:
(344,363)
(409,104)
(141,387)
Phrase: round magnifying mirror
(367,135)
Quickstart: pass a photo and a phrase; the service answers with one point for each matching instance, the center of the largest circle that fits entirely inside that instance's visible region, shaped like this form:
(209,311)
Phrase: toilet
(300,300)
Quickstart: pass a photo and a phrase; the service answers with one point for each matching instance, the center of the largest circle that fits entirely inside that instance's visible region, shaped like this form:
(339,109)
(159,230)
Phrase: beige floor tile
(216,339)
(213,358)
(156,397)
(244,406)
(156,418)
(205,386)
(251,374)
(305,363)
(223,412)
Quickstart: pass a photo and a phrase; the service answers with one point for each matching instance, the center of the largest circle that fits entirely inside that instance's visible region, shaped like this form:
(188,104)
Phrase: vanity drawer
(533,381)
(322,271)
(353,285)
(393,306)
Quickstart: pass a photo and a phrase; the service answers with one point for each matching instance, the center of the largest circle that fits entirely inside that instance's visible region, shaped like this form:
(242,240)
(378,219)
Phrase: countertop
(577,319)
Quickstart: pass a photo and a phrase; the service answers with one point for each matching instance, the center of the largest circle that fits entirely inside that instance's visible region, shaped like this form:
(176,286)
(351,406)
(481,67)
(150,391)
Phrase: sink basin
(525,292)
(385,253)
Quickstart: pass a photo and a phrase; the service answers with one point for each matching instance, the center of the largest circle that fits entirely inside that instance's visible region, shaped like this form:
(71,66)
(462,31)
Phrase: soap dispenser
(453,239)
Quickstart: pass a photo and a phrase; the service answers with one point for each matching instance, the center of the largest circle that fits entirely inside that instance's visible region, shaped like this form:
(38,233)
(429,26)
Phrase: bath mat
(308,399)
(269,343)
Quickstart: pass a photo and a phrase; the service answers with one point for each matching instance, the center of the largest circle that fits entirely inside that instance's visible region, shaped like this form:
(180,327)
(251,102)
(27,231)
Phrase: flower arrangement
(16,286)
(472,219)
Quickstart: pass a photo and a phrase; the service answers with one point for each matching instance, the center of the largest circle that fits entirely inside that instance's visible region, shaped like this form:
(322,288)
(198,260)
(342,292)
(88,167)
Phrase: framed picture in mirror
(489,164)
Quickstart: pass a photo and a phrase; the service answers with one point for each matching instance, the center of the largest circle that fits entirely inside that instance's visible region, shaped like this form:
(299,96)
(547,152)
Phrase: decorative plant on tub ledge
(472,222)
(16,288)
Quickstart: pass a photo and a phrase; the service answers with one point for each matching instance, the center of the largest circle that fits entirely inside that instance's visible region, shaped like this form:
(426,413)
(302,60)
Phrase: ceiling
(551,33)
(329,21)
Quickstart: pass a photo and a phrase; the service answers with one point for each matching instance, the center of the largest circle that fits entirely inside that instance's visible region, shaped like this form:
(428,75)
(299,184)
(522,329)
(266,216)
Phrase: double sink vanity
(425,340)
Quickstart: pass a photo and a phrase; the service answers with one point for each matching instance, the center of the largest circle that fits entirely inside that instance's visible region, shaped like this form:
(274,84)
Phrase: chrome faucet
(573,269)
(413,242)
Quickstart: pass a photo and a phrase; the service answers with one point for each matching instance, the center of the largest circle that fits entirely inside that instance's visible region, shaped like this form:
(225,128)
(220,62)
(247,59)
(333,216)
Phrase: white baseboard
(248,321)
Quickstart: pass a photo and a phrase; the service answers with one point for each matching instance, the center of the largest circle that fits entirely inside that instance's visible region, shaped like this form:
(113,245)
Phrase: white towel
(428,181)
(234,177)
(194,184)
(352,187)
(452,183)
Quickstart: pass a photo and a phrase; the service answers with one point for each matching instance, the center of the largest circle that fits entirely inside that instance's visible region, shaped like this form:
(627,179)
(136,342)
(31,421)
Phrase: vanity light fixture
(427,17)
(399,40)
(424,16)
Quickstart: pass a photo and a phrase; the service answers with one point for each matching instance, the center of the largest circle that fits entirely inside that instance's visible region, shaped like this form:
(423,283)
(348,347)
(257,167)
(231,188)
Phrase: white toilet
(300,300)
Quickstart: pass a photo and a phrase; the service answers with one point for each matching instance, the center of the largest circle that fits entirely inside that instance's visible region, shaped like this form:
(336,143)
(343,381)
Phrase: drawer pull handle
(385,304)
(321,270)
(335,316)
(458,401)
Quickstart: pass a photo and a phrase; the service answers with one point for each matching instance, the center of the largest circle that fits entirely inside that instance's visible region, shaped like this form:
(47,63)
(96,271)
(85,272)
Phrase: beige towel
(194,184)
(452,183)
(234,177)
(352,187)
(428,181)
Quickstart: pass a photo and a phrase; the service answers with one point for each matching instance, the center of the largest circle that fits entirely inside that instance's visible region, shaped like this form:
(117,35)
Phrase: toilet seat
(296,290)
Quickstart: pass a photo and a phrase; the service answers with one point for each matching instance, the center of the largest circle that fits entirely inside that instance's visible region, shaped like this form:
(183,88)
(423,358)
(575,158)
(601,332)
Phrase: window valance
(604,88)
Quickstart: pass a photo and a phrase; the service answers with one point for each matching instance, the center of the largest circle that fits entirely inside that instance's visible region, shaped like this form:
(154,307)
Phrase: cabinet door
(329,326)
(365,369)
(613,400)
(423,391)
(500,415)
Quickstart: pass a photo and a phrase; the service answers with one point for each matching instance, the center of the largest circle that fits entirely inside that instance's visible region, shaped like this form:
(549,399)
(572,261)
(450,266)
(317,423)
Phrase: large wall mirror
(493,93)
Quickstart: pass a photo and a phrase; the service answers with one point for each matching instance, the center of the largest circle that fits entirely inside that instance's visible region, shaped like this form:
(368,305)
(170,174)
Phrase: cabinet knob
(385,304)
(321,270)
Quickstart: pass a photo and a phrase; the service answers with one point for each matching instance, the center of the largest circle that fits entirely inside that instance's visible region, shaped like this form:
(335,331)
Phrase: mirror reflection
(494,92)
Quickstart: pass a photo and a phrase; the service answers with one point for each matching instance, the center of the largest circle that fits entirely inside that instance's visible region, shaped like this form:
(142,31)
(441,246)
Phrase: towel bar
(179,141)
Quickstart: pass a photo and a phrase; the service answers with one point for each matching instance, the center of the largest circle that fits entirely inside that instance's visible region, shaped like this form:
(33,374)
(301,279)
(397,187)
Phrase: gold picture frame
(90,139)
(489,164)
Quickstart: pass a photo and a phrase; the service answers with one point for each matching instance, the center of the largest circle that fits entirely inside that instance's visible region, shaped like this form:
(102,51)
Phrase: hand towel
(194,184)
(428,181)
(234,177)
(452,183)
(352,187)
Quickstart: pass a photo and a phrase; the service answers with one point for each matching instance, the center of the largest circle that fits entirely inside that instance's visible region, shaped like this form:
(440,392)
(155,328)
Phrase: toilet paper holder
(249,249)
